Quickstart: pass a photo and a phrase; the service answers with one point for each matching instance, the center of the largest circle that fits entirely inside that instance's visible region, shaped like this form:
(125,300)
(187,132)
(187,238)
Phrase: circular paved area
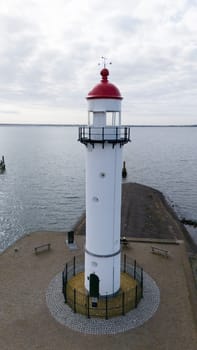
(135,318)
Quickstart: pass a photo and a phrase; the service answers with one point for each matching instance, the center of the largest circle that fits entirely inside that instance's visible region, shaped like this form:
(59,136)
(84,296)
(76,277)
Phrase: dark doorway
(70,237)
(94,286)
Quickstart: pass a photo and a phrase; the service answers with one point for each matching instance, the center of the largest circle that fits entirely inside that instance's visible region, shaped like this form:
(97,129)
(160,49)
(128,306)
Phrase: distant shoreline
(130,125)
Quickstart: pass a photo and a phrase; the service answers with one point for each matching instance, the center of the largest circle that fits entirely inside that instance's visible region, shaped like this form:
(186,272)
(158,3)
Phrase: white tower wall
(108,271)
(103,212)
(103,104)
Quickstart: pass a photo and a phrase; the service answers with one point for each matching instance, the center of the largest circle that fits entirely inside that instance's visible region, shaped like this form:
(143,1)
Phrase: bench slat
(42,247)
(160,251)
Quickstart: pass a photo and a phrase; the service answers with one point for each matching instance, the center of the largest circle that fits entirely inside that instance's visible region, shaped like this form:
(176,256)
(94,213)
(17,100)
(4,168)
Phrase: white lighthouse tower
(103,137)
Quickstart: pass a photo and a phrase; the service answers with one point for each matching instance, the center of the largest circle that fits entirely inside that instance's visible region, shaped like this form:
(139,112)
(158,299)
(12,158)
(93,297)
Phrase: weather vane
(104,59)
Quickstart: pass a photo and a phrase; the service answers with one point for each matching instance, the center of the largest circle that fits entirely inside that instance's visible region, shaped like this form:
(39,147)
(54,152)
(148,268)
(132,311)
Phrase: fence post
(142,283)
(123,303)
(136,296)
(74,264)
(106,307)
(125,262)
(66,267)
(88,309)
(75,301)
(103,134)
(64,287)
(63,282)
(134,269)
(65,294)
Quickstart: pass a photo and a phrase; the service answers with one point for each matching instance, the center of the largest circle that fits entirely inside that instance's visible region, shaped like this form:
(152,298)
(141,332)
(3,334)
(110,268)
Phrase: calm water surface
(43,187)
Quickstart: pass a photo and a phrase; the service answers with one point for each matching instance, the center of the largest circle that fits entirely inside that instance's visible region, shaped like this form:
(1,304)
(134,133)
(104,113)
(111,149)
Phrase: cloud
(49,54)
(8,112)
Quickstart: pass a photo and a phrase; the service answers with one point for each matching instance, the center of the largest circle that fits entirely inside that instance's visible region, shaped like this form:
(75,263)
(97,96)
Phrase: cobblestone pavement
(135,318)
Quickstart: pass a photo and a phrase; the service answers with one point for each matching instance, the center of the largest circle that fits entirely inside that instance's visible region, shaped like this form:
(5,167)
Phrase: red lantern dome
(104,89)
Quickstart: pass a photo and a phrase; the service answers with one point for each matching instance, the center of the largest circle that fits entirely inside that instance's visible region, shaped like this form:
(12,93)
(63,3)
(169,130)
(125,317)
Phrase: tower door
(94,286)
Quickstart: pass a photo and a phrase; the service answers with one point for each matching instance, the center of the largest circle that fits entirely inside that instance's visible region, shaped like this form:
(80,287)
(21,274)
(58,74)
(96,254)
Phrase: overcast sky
(50,49)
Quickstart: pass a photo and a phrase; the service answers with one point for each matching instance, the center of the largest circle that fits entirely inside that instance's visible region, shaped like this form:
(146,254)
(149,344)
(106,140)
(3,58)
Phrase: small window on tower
(113,118)
(90,118)
(109,121)
(102,175)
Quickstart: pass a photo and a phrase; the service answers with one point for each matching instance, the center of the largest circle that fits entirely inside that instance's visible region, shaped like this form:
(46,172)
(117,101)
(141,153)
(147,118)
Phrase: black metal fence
(120,134)
(104,306)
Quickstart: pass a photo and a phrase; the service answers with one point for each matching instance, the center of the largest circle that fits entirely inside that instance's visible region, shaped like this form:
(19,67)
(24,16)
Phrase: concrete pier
(26,322)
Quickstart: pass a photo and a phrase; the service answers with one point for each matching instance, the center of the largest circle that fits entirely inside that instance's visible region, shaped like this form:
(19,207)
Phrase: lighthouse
(104,138)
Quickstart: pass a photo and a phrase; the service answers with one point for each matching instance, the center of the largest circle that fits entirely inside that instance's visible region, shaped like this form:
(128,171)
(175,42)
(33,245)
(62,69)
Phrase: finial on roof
(104,61)
(104,72)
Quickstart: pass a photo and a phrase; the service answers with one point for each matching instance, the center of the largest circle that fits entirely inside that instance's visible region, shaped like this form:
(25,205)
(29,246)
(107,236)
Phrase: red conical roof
(104,89)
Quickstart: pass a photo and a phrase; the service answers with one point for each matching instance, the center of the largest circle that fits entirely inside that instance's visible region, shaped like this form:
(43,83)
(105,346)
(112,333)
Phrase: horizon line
(77,125)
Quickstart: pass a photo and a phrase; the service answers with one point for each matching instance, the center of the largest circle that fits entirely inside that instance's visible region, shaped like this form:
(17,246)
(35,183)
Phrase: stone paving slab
(135,318)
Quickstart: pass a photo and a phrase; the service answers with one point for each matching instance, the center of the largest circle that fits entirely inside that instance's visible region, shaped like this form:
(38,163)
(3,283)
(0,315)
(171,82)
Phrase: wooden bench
(156,250)
(124,241)
(42,248)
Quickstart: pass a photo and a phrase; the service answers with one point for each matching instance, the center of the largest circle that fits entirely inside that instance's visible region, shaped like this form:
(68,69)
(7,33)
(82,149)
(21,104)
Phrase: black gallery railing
(114,135)
(105,306)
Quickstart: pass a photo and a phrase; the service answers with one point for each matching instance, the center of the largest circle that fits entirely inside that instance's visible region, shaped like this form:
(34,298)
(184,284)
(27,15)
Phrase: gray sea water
(43,187)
